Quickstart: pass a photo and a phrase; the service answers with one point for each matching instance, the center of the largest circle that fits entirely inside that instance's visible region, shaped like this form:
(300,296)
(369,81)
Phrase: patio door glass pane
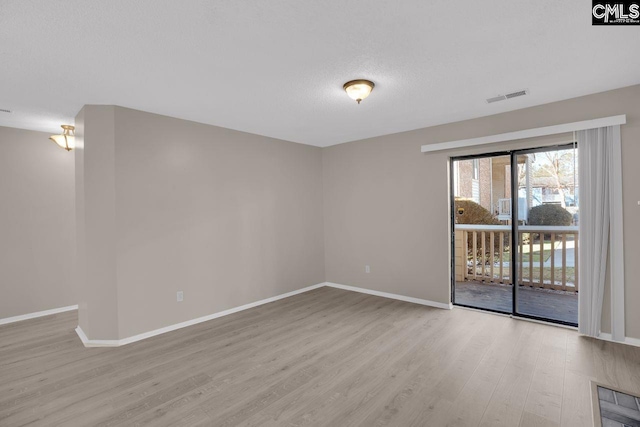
(481,188)
(547,215)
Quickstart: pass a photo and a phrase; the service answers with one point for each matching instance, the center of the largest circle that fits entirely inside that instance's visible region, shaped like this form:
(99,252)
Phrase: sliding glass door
(515,234)
(481,205)
(546,249)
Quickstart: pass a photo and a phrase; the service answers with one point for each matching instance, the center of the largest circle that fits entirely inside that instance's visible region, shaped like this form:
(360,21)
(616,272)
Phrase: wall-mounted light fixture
(358,89)
(67,140)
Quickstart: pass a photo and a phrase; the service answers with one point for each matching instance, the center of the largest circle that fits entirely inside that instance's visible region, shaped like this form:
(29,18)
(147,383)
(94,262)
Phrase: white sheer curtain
(599,149)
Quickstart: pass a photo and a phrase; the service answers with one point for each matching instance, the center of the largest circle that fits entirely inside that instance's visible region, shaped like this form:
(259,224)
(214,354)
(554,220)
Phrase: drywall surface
(37,243)
(226,217)
(96,227)
(386,204)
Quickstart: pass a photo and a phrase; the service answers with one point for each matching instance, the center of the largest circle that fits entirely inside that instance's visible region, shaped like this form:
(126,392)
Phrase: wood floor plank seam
(493,422)
(190,356)
(564,366)
(524,411)
(179,344)
(485,358)
(370,334)
(389,302)
(414,384)
(364,369)
(325,357)
(369,297)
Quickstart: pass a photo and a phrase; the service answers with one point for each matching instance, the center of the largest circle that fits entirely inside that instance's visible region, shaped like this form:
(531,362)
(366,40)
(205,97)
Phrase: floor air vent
(2,110)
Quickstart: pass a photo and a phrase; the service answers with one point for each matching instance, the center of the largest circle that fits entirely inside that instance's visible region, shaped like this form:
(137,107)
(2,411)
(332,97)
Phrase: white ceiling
(276,67)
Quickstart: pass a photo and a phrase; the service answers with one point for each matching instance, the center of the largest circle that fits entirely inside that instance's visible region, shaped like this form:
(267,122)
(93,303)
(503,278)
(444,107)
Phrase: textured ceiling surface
(277,67)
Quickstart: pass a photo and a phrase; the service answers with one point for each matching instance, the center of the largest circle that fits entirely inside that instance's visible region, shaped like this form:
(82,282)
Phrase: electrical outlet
(367,269)
(180,296)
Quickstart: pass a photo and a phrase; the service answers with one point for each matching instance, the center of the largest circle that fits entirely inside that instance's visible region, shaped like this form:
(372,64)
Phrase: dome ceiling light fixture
(67,139)
(358,89)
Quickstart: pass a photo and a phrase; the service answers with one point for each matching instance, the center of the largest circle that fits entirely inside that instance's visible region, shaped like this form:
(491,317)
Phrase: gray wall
(37,226)
(227,217)
(386,204)
(230,218)
(95,226)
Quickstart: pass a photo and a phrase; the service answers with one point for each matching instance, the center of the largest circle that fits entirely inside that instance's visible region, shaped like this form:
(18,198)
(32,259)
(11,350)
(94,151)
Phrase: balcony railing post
(501,256)
(553,260)
(491,253)
(541,240)
(521,253)
(465,239)
(484,254)
(575,263)
(510,269)
(530,259)
(564,261)
(488,275)
(474,254)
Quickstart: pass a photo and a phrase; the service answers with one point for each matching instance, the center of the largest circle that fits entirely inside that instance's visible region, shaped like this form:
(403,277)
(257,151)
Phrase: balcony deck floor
(531,301)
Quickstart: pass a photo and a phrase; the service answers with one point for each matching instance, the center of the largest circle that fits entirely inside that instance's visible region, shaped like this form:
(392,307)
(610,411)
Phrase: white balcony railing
(547,256)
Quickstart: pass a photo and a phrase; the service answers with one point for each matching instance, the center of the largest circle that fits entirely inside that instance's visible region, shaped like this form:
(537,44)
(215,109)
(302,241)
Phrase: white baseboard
(628,340)
(37,314)
(446,306)
(95,343)
(116,343)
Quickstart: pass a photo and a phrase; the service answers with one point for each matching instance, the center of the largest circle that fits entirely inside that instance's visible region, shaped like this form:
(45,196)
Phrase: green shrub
(473,213)
(549,215)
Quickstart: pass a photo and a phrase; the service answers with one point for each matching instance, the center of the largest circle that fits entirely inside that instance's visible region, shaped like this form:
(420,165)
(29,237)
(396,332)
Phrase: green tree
(557,169)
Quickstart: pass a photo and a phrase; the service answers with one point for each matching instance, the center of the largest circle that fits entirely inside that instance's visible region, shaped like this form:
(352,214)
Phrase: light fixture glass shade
(358,89)
(67,140)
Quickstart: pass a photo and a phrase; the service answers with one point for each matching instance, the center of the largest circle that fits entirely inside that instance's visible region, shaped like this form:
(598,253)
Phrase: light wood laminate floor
(325,357)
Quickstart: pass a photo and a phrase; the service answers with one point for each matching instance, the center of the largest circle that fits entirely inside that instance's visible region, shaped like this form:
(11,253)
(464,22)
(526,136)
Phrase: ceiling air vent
(496,99)
(516,94)
(508,96)
(2,110)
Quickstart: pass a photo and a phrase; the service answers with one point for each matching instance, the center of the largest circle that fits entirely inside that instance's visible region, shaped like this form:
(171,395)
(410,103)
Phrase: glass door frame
(514,227)
(453,224)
